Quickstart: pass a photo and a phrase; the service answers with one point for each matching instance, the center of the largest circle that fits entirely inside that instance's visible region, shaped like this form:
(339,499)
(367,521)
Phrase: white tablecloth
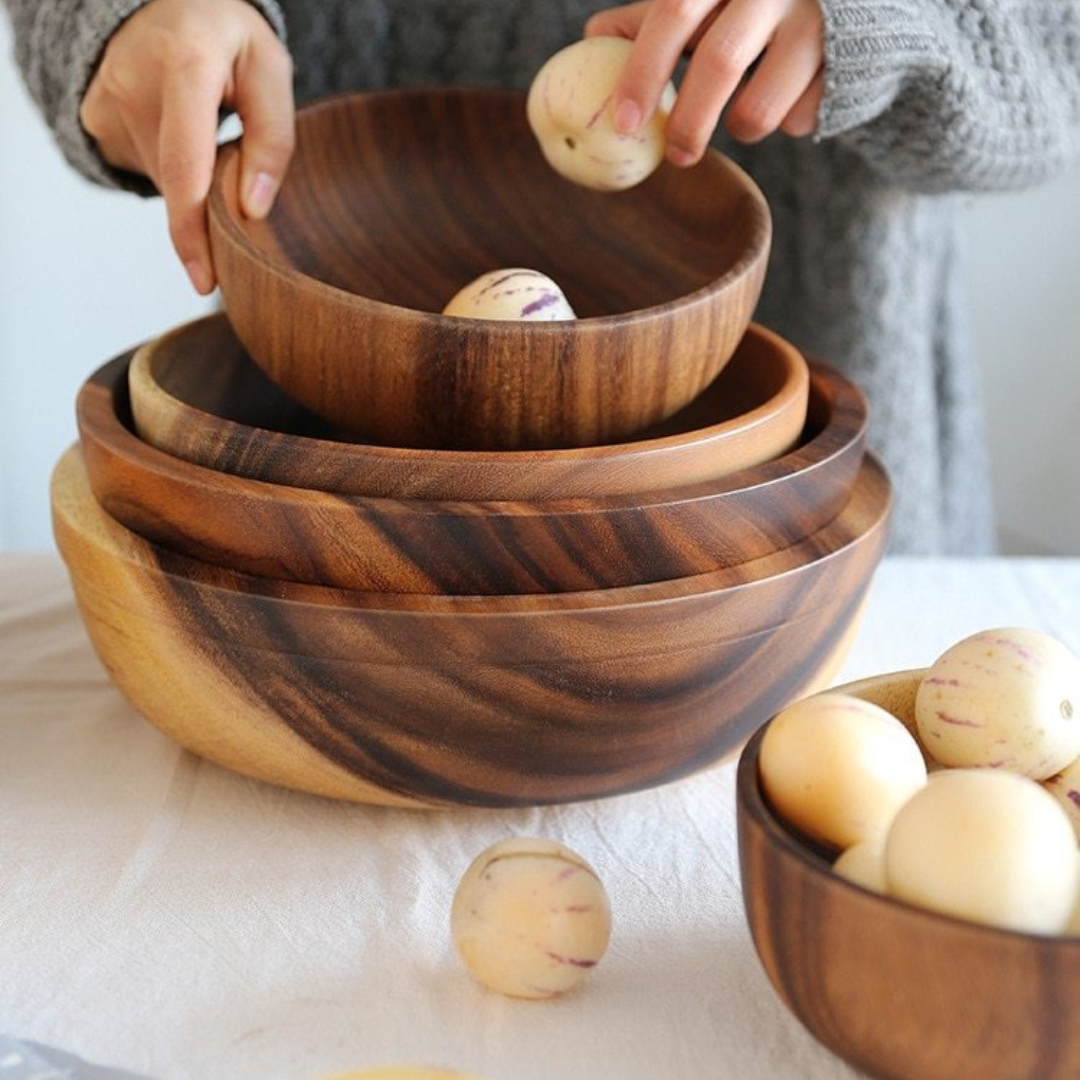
(161,914)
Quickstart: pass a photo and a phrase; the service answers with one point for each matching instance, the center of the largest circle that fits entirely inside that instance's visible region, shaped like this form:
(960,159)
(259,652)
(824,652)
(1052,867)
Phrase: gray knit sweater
(924,99)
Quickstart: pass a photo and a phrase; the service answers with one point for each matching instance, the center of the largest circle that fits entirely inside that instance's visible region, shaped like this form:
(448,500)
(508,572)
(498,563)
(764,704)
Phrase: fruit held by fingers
(570,111)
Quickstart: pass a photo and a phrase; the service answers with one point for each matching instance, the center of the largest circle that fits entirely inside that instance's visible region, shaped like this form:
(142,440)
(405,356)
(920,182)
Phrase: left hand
(781,40)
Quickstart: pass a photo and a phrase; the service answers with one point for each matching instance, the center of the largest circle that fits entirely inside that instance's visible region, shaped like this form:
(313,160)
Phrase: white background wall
(86,273)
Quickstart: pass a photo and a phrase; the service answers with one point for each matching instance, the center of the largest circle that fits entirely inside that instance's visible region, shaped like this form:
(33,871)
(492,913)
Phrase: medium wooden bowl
(396,199)
(463,548)
(489,701)
(899,992)
(196,395)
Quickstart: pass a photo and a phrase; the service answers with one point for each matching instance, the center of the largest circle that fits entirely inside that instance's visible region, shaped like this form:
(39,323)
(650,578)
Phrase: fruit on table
(838,767)
(513,294)
(530,918)
(1006,698)
(988,846)
(569,110)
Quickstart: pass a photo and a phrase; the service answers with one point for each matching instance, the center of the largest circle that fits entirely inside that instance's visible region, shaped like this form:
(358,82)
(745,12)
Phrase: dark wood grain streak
(899,992)
(395,200)
(486,701)
(483,548)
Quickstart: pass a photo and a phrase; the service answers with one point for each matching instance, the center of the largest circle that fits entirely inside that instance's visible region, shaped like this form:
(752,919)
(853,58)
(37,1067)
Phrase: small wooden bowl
(488,701)
(196,395)
(396,199)
(469,548)
(899,992)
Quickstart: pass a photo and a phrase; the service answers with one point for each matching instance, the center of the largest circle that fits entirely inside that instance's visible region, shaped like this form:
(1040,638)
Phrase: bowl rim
(827,547)
(219,216)
(795,386)
(750,801)
(816,453)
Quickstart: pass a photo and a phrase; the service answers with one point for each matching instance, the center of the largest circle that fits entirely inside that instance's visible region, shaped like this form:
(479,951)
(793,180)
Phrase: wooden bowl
(899,992)
(396,199)
(463,548)
(488,701)
(196,395)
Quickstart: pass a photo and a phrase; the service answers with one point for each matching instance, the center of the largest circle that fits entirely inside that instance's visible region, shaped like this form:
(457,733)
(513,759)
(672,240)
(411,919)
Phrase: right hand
(152,107)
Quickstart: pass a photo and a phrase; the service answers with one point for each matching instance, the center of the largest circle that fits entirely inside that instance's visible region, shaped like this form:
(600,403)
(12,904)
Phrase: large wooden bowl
(416,546)
(490,701)
(396,199)
(197,395)
(899,992)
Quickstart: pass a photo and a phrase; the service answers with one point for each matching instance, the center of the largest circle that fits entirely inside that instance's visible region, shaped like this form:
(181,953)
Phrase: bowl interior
(404,197)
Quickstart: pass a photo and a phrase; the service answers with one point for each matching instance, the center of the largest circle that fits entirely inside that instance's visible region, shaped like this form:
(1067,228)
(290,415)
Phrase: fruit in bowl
(515,293)
(914,987)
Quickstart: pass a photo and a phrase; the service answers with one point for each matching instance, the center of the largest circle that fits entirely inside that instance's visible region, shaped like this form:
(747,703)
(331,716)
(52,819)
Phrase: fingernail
(260,195)
(627,117)
(678,156)
(200,277)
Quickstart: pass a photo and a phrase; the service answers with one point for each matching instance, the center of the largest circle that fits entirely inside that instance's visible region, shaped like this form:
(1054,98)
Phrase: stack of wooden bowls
(341,542)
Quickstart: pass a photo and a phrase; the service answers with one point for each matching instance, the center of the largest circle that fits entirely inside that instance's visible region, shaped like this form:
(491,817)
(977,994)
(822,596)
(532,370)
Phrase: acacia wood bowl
(394,200)
(488,701)
(197,395)
(900,992)
(467,548)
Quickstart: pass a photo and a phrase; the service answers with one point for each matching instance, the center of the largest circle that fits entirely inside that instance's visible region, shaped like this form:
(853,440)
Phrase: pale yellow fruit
(513,294)
(1065,787)
(1003,699)
(864,863)
(988,846)
(837,767)
(1072,927)
(530,918)
(569,110)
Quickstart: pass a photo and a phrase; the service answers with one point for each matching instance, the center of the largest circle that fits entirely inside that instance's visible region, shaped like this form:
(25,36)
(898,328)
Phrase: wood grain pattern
(397,199)
(901,993)
(487,701)
(197,395)
(462,548)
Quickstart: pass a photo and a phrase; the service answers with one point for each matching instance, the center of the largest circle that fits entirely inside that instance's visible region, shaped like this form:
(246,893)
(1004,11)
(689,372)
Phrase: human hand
(153,108)
(781,40)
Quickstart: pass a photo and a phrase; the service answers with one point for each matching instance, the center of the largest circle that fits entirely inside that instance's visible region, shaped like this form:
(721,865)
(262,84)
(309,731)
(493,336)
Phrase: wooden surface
(395,200)
(414,546)
(901,993)
(431,700)
(197,395)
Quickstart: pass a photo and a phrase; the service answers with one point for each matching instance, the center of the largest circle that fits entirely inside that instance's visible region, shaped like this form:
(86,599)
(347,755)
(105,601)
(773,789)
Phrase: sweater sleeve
(940,95)
(58,44)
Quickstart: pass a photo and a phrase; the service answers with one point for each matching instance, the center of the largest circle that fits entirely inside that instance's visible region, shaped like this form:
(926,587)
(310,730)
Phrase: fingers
(802,119)
(624,22)
(759,59)
(789,65)
(662,30)
(264,100)
(187,146)
(153,107)
(734,41)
